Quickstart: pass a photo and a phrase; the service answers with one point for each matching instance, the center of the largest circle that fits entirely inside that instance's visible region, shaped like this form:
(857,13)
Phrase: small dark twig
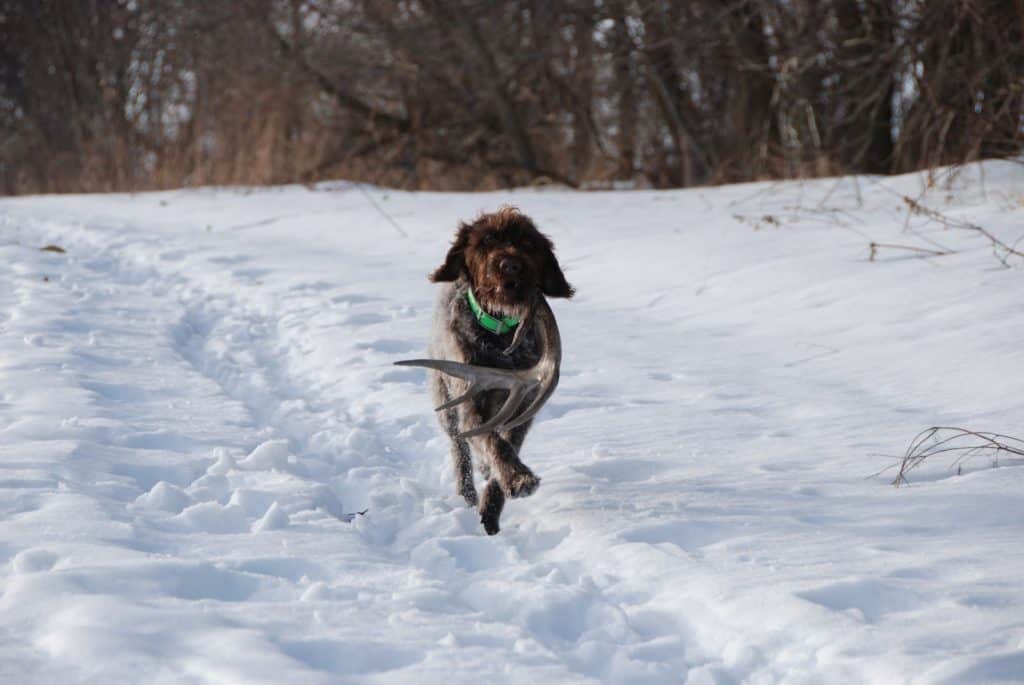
(348,518)
(964,443)
(380,210)
(764,219)
(924,250)
(1001,250)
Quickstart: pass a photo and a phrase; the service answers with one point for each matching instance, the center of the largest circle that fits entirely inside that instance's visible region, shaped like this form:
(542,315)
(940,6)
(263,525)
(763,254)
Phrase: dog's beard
(517,311)
(499,307)
(498,301)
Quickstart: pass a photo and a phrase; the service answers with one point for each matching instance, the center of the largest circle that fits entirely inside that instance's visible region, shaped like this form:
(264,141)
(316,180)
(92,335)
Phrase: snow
(198,396)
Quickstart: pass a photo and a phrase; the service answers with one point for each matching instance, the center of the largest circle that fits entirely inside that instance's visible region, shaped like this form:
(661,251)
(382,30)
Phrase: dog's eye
(490,239)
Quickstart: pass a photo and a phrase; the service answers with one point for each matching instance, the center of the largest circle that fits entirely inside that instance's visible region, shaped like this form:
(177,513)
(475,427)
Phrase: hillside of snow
(197,398)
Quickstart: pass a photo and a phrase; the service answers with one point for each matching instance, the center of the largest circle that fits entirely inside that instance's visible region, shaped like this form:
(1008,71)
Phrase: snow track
(195,399)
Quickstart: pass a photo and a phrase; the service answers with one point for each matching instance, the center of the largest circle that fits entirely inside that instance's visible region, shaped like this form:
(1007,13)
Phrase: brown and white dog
(495,349)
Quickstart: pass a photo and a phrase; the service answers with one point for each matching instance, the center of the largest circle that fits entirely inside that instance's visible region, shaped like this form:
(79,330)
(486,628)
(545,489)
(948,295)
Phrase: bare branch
(1000,249)
(961,442)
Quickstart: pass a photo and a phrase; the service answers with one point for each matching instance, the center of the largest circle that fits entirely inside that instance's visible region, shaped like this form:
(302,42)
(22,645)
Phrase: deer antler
(541,378)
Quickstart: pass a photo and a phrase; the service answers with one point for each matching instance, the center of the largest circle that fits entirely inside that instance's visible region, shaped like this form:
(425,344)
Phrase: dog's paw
(490,507)
(491,526)
(523,484)
(470,496)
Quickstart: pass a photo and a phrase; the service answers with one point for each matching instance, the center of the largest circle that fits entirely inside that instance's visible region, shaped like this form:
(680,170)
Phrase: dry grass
(960,444)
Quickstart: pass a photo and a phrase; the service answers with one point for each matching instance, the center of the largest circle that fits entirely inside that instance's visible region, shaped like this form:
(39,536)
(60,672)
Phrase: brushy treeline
(100,95)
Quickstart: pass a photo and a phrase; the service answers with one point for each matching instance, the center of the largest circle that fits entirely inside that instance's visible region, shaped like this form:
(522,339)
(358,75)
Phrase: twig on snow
(1001,250)
(961,442)
(380,210)
(889,246)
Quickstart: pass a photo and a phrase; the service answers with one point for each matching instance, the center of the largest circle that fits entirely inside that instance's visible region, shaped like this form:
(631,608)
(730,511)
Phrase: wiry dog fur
(507,262)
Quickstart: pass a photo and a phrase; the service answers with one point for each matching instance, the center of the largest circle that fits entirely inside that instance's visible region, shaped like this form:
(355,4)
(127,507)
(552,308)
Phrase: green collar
(494,325)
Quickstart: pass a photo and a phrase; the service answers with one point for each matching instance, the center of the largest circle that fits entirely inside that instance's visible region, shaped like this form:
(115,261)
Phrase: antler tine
(524,325)
(466,372)
(535,406)
(480,377)
(515,398)
(473,389)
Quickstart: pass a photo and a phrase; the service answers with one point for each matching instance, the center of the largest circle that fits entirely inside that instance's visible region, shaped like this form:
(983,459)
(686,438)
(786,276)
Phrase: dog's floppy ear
(455,261)
(552,280)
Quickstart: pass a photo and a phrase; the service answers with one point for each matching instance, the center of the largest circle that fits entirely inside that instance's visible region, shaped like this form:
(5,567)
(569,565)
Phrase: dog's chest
(488,349)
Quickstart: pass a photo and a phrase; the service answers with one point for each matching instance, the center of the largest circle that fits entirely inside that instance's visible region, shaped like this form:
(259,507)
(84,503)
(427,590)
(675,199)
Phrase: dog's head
(507,261)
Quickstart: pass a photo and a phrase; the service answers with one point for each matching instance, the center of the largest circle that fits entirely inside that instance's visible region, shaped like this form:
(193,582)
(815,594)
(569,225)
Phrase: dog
(495,348)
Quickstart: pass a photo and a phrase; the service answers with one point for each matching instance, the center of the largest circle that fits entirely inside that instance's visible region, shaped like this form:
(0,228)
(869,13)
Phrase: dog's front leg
(462,460)
(491,504)
(515,477)
(498,457)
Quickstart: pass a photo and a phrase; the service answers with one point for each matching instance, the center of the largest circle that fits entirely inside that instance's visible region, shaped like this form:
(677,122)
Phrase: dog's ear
(552,280)
(455,261)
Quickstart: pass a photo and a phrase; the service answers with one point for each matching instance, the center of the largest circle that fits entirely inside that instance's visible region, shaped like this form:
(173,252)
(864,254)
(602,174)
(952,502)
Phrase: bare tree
(478,93)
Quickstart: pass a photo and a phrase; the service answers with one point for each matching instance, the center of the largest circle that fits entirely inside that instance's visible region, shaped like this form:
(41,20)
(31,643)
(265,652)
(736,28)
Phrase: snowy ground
(196,395)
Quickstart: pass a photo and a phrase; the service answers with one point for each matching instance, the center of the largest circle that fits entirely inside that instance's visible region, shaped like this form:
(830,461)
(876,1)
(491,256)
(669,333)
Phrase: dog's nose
(510,266)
